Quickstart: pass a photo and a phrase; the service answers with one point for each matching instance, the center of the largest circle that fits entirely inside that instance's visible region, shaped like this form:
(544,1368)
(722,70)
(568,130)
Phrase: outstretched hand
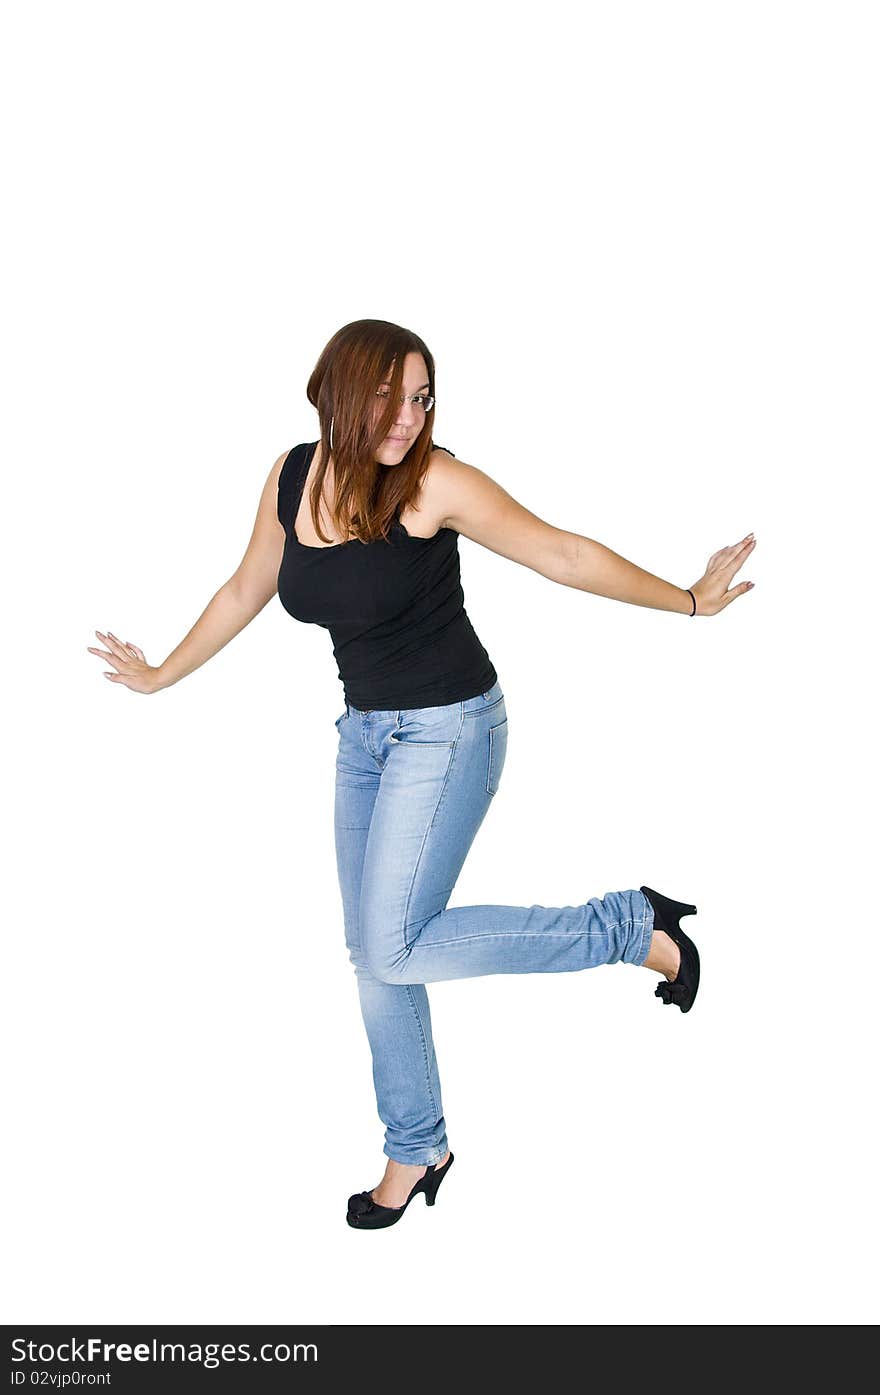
(711,591)
(131,667)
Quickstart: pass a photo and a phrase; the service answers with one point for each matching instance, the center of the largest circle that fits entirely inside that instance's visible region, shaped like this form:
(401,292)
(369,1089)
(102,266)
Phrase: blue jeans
(412,788)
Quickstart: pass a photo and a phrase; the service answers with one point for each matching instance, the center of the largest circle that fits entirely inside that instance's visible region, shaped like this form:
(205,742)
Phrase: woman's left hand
(711,591)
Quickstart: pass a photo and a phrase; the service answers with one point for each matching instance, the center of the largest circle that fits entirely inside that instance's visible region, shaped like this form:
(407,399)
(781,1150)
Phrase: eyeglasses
(418,399)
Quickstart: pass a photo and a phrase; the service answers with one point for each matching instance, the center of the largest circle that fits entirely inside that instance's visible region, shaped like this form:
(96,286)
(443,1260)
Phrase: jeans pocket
(405,736)
(497,753)
(340,719)
(484,702)
(428,726)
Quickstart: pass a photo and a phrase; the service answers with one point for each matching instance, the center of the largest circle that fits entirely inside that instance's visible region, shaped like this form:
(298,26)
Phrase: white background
(641,242)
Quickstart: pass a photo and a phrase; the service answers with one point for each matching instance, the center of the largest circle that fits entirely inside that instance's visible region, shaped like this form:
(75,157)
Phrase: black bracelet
(694,599)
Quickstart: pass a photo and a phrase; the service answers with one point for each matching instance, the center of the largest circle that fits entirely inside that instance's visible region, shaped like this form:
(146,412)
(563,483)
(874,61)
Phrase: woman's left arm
(468,500)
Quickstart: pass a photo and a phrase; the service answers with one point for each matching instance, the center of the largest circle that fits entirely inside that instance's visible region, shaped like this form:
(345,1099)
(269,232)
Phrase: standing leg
(396,1016)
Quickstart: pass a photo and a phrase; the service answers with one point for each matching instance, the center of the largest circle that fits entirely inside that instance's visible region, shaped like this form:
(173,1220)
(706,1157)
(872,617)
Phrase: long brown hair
(343,386)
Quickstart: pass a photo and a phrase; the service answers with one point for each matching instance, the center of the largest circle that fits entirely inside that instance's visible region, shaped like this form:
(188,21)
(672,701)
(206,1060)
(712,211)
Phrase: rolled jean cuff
(418,1155)
(644,946)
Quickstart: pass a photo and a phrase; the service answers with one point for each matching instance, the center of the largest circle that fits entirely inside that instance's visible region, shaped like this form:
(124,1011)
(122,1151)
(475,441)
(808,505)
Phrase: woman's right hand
(132,668)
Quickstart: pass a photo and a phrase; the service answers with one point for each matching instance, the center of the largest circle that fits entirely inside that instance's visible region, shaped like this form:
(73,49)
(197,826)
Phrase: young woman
(358,532)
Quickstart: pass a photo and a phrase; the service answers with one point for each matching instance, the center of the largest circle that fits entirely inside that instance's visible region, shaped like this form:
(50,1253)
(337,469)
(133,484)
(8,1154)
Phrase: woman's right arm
(237,602)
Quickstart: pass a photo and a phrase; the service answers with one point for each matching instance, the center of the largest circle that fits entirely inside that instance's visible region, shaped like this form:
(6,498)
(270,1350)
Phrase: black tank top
(394,608)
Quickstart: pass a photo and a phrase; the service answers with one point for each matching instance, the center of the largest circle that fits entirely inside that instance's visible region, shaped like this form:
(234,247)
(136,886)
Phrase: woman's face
(409,417)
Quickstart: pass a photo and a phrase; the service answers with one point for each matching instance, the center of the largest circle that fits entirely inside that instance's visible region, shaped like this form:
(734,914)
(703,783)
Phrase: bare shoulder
(278,466)
(440,486)
(469,501)
(452,488)
(423,516)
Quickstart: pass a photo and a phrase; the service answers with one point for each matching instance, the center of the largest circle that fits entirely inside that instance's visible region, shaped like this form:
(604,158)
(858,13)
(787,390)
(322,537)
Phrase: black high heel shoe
(366,1214)
(683,988)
